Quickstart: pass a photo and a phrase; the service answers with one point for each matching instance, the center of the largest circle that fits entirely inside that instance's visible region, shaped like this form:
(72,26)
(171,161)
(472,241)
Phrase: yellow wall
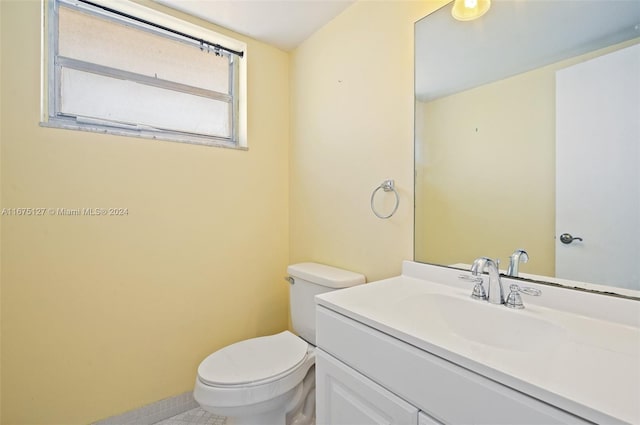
(352,128)
(487,174)
(134,303)
(485,171)
(101,315)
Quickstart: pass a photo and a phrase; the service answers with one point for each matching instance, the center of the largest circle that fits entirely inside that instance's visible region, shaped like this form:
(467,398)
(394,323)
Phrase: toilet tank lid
(321,274)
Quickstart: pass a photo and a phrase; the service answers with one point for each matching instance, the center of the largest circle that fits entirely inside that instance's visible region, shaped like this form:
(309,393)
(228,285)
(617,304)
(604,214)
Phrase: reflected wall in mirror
(513,112)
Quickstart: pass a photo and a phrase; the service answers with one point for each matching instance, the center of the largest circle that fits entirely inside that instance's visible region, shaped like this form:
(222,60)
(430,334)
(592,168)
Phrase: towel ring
(386,186)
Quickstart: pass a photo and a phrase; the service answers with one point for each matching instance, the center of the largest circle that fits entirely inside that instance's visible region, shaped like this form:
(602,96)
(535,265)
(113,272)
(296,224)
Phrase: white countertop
(589,366)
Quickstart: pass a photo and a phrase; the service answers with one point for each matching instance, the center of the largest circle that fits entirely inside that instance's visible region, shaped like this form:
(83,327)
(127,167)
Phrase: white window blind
(114,74)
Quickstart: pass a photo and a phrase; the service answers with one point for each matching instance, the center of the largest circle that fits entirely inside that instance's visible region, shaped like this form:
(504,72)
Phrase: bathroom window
(135,71)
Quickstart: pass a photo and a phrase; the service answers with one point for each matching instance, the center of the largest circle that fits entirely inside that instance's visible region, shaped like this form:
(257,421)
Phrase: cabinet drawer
(449,393)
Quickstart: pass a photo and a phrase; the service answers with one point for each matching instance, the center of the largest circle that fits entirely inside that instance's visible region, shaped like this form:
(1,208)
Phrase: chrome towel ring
(386,186)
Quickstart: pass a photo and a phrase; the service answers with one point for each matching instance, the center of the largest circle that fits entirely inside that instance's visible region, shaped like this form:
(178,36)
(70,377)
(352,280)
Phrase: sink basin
(483,323)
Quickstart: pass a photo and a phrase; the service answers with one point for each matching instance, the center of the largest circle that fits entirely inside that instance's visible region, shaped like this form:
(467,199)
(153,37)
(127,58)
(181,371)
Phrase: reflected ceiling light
(467,10)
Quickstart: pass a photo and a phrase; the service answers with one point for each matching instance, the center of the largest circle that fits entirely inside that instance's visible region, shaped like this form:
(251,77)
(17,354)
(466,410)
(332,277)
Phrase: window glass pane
(105,42)
(95,96)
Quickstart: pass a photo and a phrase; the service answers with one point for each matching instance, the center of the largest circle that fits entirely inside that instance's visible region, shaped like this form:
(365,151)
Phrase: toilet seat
(281,363)
(255,361)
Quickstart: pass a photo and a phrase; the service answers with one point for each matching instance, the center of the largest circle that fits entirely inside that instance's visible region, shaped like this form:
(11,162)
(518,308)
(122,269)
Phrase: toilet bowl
(270,380)
(257,381)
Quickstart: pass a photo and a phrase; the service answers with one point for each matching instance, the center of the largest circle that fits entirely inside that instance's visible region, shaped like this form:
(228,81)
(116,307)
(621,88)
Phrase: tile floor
(194,416)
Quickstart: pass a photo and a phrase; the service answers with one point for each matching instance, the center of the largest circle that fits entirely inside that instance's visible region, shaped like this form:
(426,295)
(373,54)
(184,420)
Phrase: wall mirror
(527,127)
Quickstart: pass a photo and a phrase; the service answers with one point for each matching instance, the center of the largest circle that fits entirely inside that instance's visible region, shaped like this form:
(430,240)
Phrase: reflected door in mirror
(598,122)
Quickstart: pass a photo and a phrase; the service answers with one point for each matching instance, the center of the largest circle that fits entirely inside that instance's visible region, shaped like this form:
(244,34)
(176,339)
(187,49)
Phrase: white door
(597,178)
(345,397)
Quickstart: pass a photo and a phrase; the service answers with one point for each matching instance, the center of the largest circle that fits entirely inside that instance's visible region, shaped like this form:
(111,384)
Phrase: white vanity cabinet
(344,396)
(348,397)
(365,376)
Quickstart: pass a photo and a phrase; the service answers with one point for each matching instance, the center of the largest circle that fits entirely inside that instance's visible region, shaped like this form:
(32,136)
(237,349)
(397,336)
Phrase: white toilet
(270,380)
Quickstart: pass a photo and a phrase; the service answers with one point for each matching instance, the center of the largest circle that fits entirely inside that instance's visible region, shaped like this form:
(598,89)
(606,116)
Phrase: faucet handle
(474,279)
(478,292)
(527,290)
(514,300)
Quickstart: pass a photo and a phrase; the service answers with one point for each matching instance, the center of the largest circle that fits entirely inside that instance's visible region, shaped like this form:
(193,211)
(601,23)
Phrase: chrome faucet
(495,293)
(519,255)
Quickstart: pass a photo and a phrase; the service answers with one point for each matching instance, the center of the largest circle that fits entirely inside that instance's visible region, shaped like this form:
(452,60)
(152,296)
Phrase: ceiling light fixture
(467,10)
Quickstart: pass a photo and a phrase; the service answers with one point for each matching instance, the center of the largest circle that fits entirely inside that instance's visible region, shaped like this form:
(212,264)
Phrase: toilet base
(266,413)
(303,408)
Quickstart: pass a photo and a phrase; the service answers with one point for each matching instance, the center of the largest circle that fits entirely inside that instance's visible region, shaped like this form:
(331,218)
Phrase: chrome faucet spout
(478,265)
(495,292)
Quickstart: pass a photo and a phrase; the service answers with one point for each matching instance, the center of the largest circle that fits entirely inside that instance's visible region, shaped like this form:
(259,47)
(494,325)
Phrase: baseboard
(154,412)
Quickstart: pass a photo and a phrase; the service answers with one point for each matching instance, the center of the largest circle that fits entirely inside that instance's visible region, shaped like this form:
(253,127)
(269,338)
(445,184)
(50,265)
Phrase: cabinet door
(345,397)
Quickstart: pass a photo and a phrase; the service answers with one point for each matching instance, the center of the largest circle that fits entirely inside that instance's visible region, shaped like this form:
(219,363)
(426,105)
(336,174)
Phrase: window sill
(144,134)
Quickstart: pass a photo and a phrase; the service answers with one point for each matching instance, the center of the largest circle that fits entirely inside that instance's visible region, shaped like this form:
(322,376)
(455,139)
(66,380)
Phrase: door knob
(566,238)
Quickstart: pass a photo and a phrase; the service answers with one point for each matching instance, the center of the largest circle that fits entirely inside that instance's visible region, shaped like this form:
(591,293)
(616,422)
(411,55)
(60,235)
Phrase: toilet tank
(309,280)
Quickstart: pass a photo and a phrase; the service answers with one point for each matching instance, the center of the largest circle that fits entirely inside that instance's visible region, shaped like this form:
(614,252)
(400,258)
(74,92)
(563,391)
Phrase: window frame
(52,66)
